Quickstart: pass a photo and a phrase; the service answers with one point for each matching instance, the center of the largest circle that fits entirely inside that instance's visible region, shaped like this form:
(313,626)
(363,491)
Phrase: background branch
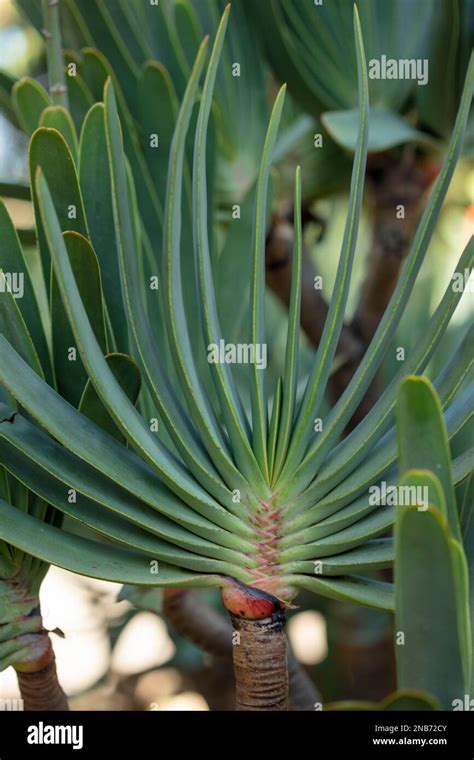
(395,183)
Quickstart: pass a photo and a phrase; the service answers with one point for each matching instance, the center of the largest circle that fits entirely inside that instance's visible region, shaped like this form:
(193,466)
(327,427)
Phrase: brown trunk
(398,187)
(209,630)
(260,662)
(41,690)
(30,650)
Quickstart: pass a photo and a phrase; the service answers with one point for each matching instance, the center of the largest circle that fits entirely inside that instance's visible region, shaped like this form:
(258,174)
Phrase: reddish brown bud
(250,603)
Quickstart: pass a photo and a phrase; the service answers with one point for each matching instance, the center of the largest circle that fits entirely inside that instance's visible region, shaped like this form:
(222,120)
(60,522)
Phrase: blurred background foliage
(133,660)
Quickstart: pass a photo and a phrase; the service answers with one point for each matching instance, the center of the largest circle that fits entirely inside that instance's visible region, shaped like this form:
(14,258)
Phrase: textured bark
(212,632)
(41,690)
(29,646)
(260,663)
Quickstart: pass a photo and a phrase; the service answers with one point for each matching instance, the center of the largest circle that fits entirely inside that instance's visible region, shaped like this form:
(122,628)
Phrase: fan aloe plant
(189,486)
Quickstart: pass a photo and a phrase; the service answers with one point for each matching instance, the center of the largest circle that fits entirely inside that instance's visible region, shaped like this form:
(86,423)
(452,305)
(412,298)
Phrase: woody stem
(259,648)
(41,690)
(260,663)
(209,630)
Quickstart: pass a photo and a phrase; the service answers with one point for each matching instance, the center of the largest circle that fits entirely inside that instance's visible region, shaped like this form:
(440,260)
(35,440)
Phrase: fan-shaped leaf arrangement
(261,502)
